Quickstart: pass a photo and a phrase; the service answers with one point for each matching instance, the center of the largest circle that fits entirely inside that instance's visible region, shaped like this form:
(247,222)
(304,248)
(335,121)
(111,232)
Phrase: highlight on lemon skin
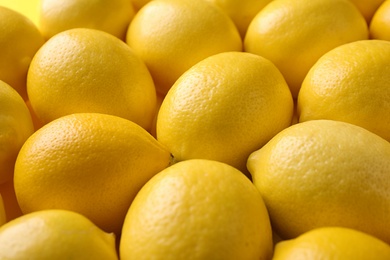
(380,23)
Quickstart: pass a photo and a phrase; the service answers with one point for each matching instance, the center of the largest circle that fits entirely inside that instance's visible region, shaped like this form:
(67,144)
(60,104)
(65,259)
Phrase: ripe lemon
(87,70)
(172,35)
(15,127)
(197,209)
(367,8)
(332,243)
(138,4)
(19,41)
(111,16)
(350,83)
(28,8)
(223,108)
(380,23)
(241,12)
(55,234)
(325,173)
(91,163)
(295,34)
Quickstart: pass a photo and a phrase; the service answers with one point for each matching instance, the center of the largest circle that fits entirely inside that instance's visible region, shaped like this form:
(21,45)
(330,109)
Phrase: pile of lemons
(182,129)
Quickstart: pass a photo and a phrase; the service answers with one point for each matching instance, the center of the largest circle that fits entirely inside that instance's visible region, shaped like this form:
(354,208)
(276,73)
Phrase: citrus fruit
(19,41)
(241,12)
(172,35)
(15,127)
(197,209)
(325,173)
(367,8)
(90,163)
(111,16)
(295,34)
(28,8)
(223,108)
(55,234)
(11,205)
(87,70)
(332,243)
(350,83)
(380,23)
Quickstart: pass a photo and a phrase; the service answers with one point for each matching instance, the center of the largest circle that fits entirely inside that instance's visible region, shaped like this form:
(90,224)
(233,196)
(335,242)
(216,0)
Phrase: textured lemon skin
(295,34)
(324,173)
(90,163)
(85,70)
(197,209)
(332,243)
(350,83)
(224,108)
(55,234)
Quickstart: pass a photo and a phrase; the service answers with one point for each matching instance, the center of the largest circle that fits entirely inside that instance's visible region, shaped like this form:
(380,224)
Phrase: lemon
(241,12)
(295,34)
(111,16)
(15,127)
(19,41)
(55,234)
(90,163)
(380,23)
(223,108)
(3,217)
(86,70)
(368,8)
(350,83)
(172,35)
(325,173)
(28,8)
(11,205)
(197,209)
(332,243)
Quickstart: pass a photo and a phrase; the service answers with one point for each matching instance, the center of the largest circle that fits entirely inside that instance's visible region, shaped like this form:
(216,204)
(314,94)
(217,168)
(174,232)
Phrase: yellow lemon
(241,12)
(223,108)
(172,35)
(332,243)
(111,16)
(197,209)
(28,8)
(3,217)
(55,234)
(325,173)
(15,127)
(87,70)
(11,205)
(19,41)
(91,163)
(367,8)
(295,34)
(350,83)
(380,23)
